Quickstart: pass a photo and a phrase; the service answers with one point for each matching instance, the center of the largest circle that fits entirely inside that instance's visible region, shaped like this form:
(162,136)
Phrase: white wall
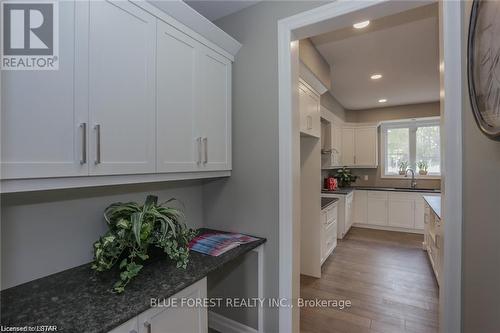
(47,232)
(248,200)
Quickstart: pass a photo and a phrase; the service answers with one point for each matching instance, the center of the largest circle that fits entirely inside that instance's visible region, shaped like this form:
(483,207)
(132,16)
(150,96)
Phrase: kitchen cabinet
(328,229)
(213,110)
(360,206)
(122,40)
(180,318)
(376,208)
(433,240)
(359,146)
(133,97)
(401,210)
(43,127)
(309,109)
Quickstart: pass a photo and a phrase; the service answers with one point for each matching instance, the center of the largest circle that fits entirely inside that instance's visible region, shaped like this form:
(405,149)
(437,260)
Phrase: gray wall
(248,200)
(46,232)
(328,101)
(394,112)
(481,231)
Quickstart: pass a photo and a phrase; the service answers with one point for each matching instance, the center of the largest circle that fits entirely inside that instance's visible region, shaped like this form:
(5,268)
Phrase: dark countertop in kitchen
(325,202)
(80,300)
(347,190)
(435,203)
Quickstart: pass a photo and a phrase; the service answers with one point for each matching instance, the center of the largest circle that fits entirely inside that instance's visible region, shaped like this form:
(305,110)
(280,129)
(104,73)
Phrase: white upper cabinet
(176,148)
(213,110)
(40,129)
(348,146)
(122,41)
(360,146)
(309,108)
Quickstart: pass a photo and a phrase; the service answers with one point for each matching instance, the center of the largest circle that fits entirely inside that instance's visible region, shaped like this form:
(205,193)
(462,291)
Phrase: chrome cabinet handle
(83,159)
(309,122)
(97,128)
(147,324)
(205,144)
(198,141)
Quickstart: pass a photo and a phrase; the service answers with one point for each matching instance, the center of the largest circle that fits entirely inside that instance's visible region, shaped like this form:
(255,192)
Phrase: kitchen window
(411,142)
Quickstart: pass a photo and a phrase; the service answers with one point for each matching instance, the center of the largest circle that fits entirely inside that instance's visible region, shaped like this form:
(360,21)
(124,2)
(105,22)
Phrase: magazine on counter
(216,243)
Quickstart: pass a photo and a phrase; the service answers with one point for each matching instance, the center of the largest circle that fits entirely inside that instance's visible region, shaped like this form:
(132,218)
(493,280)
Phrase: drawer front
(331,214)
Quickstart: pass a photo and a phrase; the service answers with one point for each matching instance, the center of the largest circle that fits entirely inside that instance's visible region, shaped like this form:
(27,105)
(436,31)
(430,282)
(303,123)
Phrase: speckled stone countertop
(435,203)
(80,300)
(339,190)
(325,202)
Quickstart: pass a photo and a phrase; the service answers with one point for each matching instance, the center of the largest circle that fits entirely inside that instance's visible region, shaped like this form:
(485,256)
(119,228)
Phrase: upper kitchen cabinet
(213,110)
(122,40)
(138,97)
(43,128)
(360,146)
(309,108)
(177,148)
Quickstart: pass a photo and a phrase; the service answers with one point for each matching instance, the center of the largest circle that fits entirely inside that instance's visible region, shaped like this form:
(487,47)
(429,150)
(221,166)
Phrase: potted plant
(345,177)
(422,167)
(403,165)
(134,231)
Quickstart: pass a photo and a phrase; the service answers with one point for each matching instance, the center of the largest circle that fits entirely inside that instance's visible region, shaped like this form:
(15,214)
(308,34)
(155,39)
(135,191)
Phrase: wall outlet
(365,177)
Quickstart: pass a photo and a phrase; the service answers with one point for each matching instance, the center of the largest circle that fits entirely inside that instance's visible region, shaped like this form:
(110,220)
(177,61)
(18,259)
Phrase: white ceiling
(404,48)
(214,10)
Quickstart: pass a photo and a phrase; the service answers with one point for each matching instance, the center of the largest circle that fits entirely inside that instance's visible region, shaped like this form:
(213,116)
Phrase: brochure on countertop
(217,243)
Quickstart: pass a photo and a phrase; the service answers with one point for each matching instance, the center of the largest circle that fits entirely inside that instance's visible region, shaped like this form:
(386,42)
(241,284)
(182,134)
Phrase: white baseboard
(225,325)
(388,228)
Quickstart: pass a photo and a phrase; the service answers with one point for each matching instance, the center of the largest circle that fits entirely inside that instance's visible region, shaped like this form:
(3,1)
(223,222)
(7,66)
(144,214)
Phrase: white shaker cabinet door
(43,126)
(401,212)
(184,318)
(348,146)
(122,41)
(178,149)
(365,146)
(213,110)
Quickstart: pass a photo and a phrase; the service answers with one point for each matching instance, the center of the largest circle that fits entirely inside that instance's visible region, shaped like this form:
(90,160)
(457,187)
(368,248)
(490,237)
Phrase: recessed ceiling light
(376,76)
(361,25)
(382,100)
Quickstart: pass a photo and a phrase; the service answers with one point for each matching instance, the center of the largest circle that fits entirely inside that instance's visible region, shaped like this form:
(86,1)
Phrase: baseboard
(388,228)
(225,325)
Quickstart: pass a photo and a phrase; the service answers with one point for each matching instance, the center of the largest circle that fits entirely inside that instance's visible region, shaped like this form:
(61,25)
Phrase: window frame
(412,125)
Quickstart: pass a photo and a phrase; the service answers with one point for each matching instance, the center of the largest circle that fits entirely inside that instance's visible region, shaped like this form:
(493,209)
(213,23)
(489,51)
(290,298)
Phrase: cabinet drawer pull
(198,141)
(83,159)
(97,128)
(205,148)
(147,324)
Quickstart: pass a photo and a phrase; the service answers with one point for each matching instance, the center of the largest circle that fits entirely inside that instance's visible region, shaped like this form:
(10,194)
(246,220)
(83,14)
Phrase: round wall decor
(483,66)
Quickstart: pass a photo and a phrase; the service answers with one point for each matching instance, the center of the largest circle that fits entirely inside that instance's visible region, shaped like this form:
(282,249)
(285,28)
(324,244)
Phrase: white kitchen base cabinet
(329,217)
(345,210)
(172,319)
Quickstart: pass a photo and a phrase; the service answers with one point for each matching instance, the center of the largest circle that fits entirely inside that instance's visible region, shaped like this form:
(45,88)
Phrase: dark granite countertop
(340,190)
(325,202)
(347,190)
(435,203)
(80,300)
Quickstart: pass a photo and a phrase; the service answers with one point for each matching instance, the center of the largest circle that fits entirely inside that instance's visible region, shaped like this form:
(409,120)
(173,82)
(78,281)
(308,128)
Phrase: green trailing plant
(134,230)
(423,166)
(345,177)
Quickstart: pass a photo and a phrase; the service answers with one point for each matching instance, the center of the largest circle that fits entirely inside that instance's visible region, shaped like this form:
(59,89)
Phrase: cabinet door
(40,128)
(377,208)
(179,319)
(176,147)
(401,212)
(348,146)
(365,146)
(419,212)
(360,206)
(348,212)
(337,143)
(122,41)
(213,107)
(310,114)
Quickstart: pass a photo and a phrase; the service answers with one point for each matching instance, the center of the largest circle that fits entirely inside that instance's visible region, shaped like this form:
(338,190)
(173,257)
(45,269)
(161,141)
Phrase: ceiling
(214,10)
(404,48)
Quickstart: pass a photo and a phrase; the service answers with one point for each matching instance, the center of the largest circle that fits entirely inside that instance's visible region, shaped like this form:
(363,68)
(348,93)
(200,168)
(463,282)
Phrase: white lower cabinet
(402,210)
(376,208)
(172,319)
(329,217)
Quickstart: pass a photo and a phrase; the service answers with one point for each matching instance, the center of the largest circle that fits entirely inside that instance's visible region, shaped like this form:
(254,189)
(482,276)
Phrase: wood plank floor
(387,277)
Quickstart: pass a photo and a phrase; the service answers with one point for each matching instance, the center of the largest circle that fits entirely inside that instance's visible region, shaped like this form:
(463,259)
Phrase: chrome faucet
(413,180)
